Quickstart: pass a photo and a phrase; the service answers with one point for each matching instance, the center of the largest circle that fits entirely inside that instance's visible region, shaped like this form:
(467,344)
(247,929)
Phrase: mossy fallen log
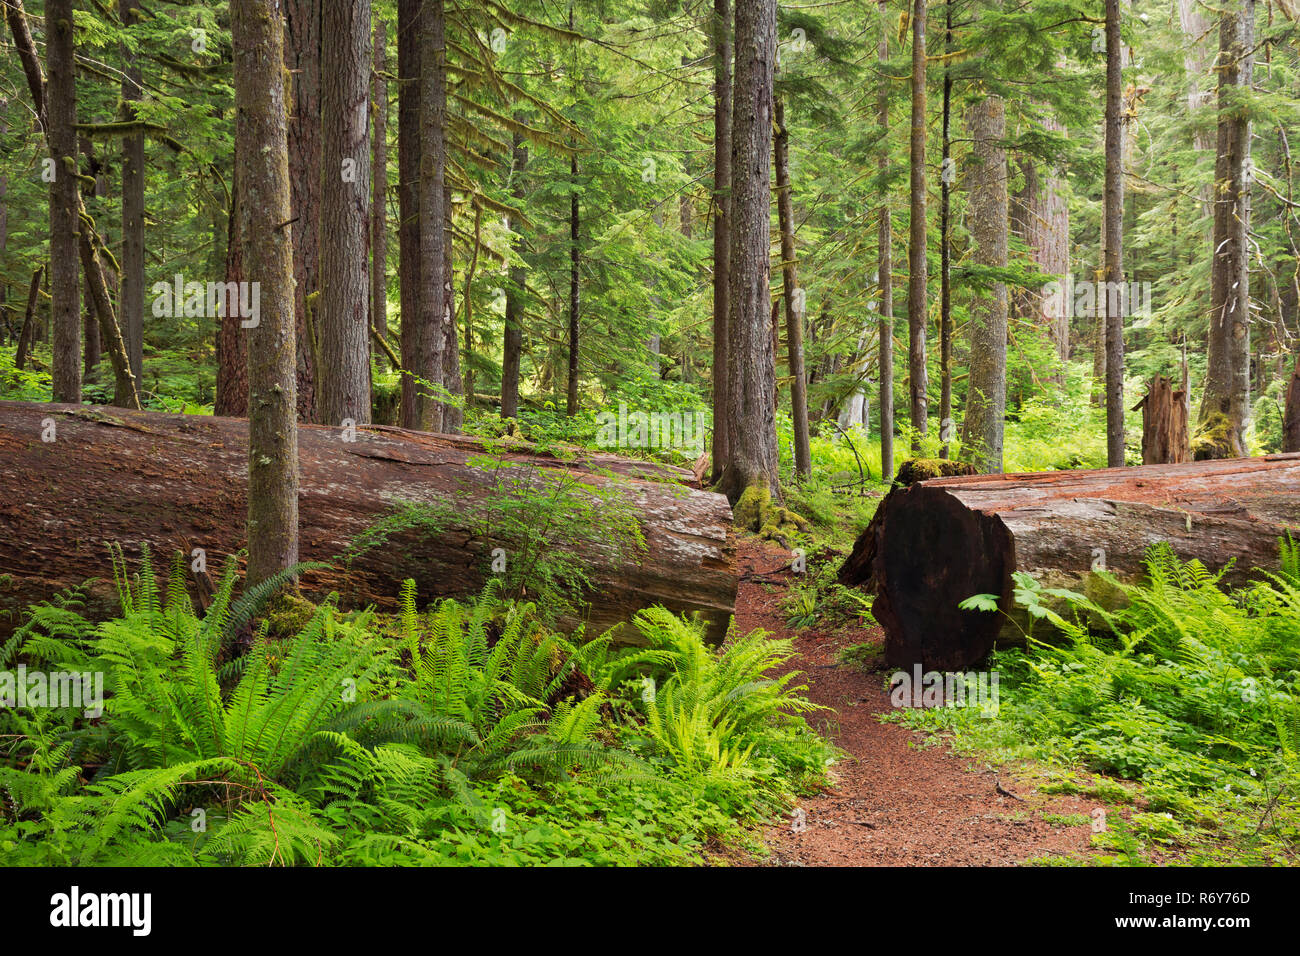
(179,483)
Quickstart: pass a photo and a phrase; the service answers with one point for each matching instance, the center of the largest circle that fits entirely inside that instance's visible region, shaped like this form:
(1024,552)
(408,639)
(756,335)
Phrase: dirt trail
(893,803)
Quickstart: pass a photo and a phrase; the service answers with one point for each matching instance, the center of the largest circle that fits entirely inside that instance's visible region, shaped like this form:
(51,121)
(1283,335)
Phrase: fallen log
(179,482)
(934,543)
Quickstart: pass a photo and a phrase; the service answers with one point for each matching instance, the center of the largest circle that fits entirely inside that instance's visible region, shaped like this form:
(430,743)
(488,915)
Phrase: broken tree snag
(179,482)
(935,543)
(1164,424)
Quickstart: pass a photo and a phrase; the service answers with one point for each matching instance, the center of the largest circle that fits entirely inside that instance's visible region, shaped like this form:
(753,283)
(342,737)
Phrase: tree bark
(30,321)
(1114,268)
(1225,403)
(918,272)
(125,394)
(1041,218)
(4,226)
(65,223)
(95,170)
(1164,424)
(16,18)
(795,303)
(232,339)
(379,192)
(722,32)
(415,337)
(751,383)
(341,321)
(571,393)
(302,55)
(451,413)
(513,344)
(885,269)
(91,351)
(1195,27)
(132,297)
(426,362)
(1291,415)
(85,240)
(87,487)
(945,251)
(986,393)
(262,169)
(935,543)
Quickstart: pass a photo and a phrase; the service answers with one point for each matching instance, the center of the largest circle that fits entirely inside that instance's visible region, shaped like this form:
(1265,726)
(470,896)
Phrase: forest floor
(896,799)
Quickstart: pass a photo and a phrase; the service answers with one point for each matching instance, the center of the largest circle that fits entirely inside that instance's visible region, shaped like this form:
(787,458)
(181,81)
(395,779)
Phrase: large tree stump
(935,543)
(1164,424)
(178,482)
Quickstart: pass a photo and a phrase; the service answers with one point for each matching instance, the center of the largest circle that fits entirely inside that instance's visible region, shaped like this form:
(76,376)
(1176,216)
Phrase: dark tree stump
(935,543)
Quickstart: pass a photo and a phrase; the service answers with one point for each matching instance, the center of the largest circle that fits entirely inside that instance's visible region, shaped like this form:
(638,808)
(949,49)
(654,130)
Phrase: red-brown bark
(180,482)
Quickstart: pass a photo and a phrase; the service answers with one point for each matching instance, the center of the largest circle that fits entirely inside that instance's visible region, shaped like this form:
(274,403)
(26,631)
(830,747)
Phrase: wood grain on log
(935,543)
(180,482)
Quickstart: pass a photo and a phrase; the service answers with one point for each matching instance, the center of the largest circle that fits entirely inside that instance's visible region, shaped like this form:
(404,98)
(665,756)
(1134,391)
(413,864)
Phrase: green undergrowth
(1186,703)
(464,733)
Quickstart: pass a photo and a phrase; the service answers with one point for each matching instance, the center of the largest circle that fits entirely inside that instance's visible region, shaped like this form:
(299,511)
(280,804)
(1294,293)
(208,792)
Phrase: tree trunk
(232,339)
(91,352)
(262,169)
(917,306)
(1241,325)
(132,298)
(30,320)
(1114,268)
(415,337)
(1195,26)
(513,345)
(85,240)
(1097,334)
(96,170)
(302,54)
(125,394)
(571,404)
(4,226)
(795,302)
(16,18)
(1041,218)
(945,250)
(426,359)
(935,543)
(341,322)
(379,189)
(885,270)
(986,392)
(1224,405)
(751,382)
(451,414)
(1291,415)
(87,488)
(65,224)
(722,32)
